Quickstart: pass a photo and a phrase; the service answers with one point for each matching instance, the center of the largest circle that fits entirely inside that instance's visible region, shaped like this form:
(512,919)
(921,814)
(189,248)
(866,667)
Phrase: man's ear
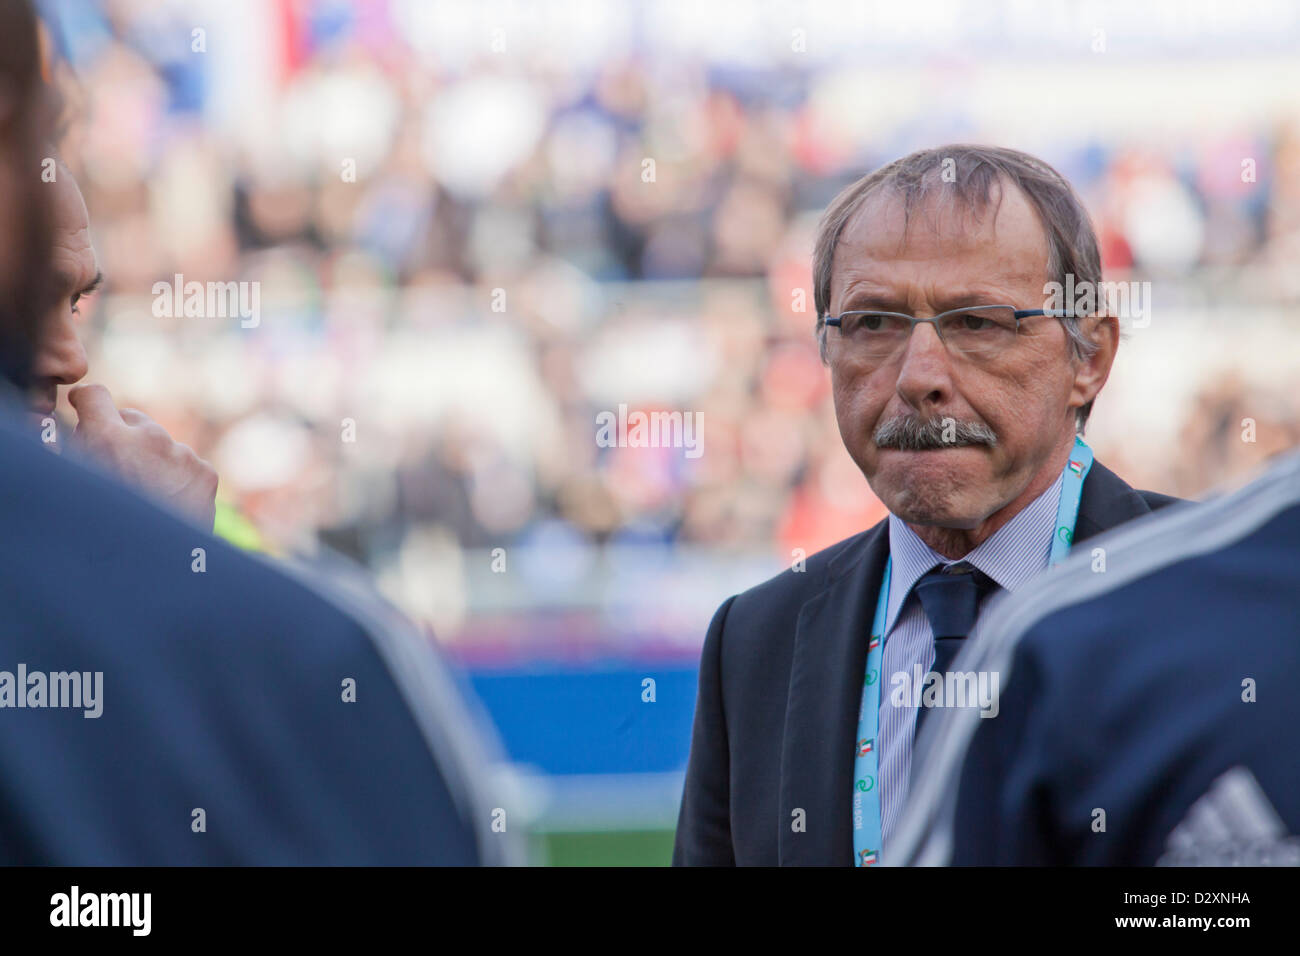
(1090,373)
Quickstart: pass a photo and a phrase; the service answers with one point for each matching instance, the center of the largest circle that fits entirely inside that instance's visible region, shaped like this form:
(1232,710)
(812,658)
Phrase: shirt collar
(1010,556)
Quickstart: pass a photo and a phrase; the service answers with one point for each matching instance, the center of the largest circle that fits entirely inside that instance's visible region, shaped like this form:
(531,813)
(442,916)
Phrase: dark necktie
(950,597)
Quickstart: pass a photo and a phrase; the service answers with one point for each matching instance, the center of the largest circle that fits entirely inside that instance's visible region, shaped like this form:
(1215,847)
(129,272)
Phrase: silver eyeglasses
(977,331)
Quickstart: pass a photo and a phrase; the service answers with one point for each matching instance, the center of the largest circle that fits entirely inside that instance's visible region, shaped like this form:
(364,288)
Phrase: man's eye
(865,323)
(975,323)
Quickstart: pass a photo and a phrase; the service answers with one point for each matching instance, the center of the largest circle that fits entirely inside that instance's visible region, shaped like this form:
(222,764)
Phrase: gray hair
(969,175)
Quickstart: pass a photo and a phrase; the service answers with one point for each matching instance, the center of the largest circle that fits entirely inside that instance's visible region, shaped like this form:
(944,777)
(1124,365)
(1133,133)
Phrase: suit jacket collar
(826,677)
(1107,501)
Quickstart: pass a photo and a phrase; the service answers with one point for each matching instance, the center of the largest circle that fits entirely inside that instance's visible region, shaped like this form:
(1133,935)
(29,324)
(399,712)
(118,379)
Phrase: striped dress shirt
(1015,553)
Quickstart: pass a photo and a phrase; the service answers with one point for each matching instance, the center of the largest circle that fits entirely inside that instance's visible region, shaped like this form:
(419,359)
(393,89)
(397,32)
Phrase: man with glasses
(961,393)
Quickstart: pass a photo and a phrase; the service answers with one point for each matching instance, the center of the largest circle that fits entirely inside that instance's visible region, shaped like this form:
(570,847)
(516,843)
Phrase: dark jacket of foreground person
(1149,713)
(222,734)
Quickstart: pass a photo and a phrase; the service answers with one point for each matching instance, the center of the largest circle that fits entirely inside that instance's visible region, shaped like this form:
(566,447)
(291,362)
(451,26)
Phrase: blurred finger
(94,407)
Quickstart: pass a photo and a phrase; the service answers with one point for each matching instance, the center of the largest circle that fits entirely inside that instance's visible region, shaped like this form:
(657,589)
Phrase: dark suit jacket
(780,681)
(221,691)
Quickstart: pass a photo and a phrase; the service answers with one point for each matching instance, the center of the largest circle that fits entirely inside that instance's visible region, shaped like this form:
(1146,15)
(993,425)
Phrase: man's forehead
(74,260)
(1005,232)
(68,210)
(74,263)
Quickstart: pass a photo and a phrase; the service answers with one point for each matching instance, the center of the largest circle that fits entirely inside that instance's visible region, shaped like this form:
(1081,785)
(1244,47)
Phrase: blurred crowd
(461,266)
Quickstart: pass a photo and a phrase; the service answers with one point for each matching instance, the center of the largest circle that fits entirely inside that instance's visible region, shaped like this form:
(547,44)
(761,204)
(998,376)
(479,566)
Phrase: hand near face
(138,449)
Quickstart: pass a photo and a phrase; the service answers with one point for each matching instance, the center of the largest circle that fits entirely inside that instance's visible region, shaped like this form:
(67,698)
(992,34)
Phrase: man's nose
(61,357)
(925,372)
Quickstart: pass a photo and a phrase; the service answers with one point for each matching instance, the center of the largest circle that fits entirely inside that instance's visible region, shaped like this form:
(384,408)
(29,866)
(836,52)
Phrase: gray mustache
(908,433)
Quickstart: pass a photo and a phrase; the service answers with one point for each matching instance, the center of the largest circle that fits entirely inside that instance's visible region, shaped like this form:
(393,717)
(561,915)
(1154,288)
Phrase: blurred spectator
(467,251)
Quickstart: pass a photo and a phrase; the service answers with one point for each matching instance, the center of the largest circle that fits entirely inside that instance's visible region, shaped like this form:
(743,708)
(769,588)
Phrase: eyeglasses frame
(835,320)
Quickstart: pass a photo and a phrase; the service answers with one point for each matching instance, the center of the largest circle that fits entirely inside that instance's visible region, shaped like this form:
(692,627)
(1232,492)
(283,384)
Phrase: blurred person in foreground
(961,389)
(1148,713)
(164,698)
(127,441)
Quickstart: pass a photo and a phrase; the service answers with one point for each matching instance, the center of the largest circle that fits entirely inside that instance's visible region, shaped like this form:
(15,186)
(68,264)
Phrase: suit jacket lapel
(826,675)
(827,669)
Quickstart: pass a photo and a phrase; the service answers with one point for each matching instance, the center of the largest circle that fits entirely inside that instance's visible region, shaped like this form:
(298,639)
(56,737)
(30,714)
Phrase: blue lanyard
(866,765)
